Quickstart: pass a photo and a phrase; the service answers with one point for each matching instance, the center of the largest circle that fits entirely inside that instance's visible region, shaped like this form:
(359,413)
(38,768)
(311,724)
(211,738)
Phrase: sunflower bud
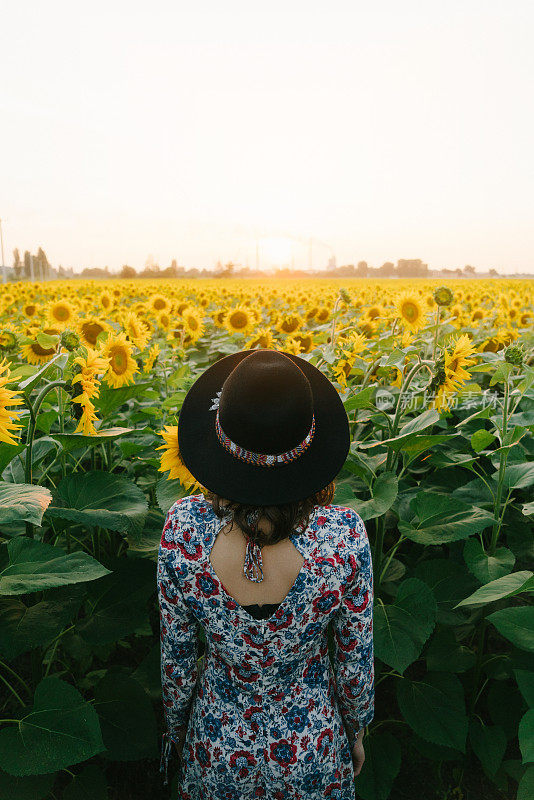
(70,340)
(8,340)
(345,296)
(443,296)
(439,373)
(514,355)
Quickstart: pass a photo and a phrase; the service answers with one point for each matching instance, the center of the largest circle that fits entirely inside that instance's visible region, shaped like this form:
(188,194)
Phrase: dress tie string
(253,566)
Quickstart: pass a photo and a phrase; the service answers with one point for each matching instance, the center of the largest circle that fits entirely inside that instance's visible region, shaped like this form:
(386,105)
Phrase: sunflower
(193,322)
(373,312)
(89,328)
(106,301)
(171,460)
(289,323)
(239,320)
(180,307)
(90,366)
(153,353)
(135,330)
(322,315)
(477,315)
(122,366)
(164,320)
(457,360)
(341,370)
(157,303)
(289,345)
(356,343)
(305,341)
(61,313)
(263,338)
(457,312)
(34,353)
(218,317)
(407,339)
(30,309)
(366,328)
(8,398)
(410,311)
(451,370)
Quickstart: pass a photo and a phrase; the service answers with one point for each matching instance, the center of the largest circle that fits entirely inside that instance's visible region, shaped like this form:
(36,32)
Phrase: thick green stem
(61,426)
(34,410)
(436,334)
(410,376)
(334,317)
(392,553)
(481,632)
(31,428)
(15,675)
(503,456)
(377,554)
(13,691)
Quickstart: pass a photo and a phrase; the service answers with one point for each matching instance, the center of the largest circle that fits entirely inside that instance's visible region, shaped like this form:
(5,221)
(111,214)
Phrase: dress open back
(264,707)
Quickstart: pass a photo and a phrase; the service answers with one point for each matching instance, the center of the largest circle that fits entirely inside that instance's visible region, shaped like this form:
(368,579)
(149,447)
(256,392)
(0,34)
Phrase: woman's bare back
(282,563)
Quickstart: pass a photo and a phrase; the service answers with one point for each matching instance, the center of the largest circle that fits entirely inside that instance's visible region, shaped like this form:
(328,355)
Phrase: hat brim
(222,473)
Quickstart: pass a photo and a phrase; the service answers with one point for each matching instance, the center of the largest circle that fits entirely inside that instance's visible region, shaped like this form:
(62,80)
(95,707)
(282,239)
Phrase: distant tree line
(37,267)
(30,266)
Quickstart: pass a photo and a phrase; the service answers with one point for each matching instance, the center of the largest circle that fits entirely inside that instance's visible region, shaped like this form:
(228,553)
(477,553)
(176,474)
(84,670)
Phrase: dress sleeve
(179,641)
(353,634)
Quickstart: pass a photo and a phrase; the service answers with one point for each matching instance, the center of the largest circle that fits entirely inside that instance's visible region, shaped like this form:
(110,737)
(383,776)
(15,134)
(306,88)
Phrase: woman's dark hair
(283,518)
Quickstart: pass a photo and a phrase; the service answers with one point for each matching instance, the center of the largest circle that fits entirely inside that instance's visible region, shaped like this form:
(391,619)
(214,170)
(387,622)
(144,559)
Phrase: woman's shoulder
(193,506)
(185,528)
(340,517)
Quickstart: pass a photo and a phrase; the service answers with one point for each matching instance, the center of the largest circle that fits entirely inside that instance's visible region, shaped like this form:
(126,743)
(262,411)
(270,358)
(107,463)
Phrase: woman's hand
(358,754)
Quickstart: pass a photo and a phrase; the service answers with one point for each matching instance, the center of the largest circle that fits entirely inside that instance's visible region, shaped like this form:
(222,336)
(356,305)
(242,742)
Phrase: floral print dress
(264,710)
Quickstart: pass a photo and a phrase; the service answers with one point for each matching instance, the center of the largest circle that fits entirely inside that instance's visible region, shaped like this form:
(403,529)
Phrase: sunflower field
(438,384)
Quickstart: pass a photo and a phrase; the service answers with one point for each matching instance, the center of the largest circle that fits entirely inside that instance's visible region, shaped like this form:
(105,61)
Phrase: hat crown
(266,403)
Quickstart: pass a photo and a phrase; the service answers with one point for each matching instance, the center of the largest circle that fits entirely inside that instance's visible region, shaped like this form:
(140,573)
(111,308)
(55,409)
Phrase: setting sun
(277,250)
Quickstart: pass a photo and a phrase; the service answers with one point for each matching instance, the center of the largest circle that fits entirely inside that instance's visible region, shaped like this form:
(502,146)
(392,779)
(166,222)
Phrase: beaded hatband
(262,459)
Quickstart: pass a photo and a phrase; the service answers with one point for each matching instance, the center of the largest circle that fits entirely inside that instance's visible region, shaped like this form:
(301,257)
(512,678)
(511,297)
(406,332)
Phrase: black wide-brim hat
(245,411)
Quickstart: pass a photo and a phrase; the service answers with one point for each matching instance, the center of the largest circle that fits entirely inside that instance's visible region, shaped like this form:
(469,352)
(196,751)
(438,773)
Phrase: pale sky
(386,130)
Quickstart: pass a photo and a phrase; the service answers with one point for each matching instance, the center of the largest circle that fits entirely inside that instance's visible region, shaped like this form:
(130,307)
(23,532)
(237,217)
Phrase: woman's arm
(353,635)
(179,643)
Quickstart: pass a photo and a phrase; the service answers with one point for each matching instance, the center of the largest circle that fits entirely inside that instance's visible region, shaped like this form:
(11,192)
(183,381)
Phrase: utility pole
(4,270)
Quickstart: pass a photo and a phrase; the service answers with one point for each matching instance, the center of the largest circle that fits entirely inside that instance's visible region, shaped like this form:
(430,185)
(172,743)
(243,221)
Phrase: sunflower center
(159,303)
(290,324)
(410,311)
(41,351)
(238,320)
(91,331)
(61,313)
(118,360)
(193,323)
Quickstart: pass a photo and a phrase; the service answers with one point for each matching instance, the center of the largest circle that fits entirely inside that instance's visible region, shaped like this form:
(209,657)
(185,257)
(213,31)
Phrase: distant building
(411,268)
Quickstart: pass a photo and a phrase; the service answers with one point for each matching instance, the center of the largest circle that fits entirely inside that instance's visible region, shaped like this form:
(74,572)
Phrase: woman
(265,433)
